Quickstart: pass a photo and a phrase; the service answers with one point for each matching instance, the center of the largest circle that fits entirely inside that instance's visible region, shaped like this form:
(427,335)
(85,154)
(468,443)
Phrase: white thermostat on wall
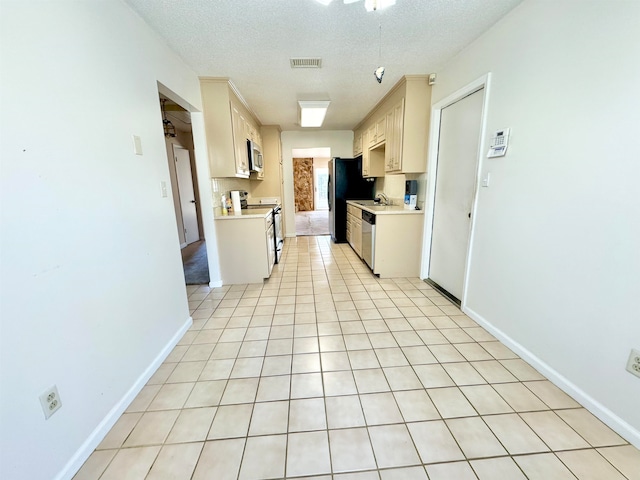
(499,143)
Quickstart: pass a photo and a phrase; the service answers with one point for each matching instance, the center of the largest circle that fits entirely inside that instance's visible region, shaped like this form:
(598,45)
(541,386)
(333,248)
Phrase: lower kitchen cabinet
(246,249)
(396,239)
(398,245)
(354,228)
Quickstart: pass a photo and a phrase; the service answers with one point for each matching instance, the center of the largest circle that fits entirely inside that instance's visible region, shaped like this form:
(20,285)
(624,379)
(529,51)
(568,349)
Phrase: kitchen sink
(370,203)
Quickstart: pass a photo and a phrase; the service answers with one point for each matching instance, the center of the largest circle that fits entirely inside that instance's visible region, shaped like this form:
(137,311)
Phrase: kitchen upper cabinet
(240,136)
(228,125)
(398,128)
(365,154)
(372,160)
(371,135)
(357,144)
(381,129)
(377,132)
(268,183)
(393,150)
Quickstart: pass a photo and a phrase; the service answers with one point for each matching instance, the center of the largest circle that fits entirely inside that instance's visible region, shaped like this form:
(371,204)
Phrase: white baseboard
(215,284)
(90,444)
(616,423)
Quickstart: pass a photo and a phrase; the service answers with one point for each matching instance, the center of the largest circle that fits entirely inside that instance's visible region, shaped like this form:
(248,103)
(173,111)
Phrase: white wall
(92,288)
(339,141)
(555,256)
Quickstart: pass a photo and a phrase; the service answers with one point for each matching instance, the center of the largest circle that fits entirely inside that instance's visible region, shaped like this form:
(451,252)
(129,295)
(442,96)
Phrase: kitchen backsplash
(221,186)
(393,187)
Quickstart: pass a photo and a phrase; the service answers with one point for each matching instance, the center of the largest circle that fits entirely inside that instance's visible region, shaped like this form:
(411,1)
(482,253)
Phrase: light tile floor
(327,372)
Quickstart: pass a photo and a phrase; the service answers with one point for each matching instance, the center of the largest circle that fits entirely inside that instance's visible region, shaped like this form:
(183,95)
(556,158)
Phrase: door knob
(469,214)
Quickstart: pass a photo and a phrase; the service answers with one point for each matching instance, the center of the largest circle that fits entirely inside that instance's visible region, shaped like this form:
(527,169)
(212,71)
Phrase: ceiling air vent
(306,62)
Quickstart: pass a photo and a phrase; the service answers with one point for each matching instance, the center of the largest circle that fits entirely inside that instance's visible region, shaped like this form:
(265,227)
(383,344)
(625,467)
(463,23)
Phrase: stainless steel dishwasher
(368,237)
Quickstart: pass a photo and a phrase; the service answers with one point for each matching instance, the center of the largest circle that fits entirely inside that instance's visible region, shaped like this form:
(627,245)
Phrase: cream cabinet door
(357,144)
(381,129)
(240,142)
(393,152)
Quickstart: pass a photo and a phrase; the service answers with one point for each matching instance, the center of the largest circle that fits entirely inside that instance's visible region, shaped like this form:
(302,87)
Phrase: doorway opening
(310,187)
(184,186)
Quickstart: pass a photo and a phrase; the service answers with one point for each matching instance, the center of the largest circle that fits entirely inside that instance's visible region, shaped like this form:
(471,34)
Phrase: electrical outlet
(633,364)
(50,401)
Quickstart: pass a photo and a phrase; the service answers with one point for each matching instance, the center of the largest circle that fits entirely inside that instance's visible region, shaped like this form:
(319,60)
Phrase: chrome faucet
(385,199)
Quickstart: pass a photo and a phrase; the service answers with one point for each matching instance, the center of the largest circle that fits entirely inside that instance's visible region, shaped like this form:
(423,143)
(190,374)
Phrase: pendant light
(169,129)
(379,72)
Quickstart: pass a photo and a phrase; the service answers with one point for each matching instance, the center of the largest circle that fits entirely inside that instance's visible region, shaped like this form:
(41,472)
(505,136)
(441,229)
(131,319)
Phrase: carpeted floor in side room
(313,222)
(196,267)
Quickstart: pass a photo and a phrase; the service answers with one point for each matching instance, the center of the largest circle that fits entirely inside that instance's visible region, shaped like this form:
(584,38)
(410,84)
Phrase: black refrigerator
(345,183)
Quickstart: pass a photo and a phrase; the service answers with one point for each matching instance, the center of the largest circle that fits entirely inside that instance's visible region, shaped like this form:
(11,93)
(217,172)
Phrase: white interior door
(460,125)
(186,193)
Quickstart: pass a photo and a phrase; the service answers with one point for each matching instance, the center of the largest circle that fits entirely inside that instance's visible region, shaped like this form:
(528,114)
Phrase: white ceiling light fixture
(312,112)
(370,5)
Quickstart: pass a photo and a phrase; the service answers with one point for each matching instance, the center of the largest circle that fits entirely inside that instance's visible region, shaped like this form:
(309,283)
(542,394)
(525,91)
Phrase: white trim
(483,82)
(182,245)
(98,434)
(616,423)
(215,284)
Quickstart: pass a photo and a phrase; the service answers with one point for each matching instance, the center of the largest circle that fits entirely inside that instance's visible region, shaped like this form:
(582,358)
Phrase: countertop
(384,209)
(244,213)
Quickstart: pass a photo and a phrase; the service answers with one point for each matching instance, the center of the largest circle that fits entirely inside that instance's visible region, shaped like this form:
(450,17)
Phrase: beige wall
(320,163)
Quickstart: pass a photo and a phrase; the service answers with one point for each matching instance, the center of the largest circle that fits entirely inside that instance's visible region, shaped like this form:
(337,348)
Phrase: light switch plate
(137,145)
(486,179)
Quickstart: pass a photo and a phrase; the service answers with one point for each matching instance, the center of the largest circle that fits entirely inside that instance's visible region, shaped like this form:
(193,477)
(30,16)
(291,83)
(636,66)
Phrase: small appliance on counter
(410,194)
(235,201)
(238,199)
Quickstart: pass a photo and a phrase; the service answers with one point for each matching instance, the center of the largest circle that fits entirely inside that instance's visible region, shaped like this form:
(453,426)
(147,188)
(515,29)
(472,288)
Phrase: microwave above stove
(254,151)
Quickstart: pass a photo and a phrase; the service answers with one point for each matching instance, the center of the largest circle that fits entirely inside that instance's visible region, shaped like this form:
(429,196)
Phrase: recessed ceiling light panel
(312,113)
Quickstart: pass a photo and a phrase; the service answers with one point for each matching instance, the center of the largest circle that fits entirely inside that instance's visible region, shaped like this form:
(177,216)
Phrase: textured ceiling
(251,42)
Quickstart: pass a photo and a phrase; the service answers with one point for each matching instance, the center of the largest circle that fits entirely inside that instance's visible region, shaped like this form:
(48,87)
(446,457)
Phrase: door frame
(434,141)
